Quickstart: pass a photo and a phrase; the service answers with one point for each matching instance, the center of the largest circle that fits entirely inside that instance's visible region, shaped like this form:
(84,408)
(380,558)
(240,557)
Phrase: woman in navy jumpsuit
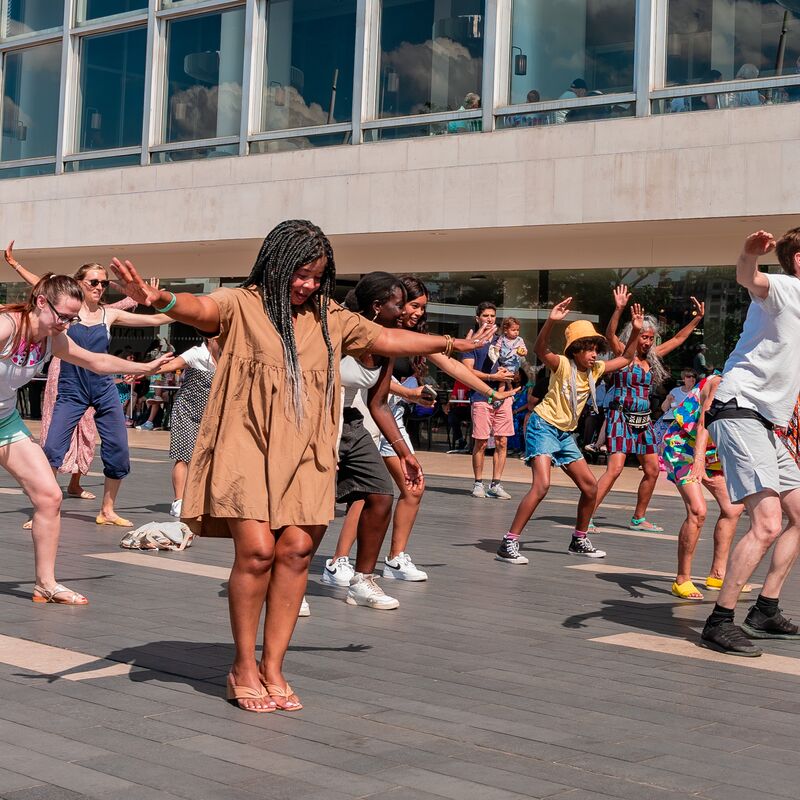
(79,389)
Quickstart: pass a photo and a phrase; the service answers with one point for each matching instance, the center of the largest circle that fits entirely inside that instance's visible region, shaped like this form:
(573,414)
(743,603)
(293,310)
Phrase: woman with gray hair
(629,427)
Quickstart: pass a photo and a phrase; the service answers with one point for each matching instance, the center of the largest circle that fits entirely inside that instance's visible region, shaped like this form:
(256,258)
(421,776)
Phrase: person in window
(471,102)
(529,120)
(707,102)
(753,97)
(578,88)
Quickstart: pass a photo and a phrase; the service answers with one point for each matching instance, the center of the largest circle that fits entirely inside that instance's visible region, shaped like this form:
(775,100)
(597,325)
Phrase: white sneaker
(497,491)
(305,609)
(478,490)
(402,568)
(364,591)
(338,572)
(175,508)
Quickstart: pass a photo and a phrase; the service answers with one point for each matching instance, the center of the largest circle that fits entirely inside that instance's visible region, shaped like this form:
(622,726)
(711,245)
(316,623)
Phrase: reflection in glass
(299,143)
(94,9)
(19,17)
(85,164)
(112,90)
(30,102)
(27,172)
(732,39)
(204,76)
(536,119)
(304,83)
(192,154)
(431,56)
(712,100)
(415,131)
(571,48)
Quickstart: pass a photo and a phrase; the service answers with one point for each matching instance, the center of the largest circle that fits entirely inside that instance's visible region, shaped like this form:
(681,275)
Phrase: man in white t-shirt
(758,392)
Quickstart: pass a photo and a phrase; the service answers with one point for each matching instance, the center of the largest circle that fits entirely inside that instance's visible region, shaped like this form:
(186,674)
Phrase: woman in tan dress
(265,458)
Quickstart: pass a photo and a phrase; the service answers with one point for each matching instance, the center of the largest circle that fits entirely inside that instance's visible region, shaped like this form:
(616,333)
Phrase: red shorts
(486,419)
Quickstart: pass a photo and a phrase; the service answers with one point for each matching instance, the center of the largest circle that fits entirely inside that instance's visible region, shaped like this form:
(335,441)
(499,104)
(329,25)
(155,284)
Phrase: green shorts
(12,429)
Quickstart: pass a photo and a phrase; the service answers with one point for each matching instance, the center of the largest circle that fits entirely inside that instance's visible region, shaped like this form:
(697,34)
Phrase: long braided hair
(289,246)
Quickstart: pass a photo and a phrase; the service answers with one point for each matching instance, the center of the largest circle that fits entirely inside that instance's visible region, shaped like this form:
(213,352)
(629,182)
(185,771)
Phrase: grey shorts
(753,458)
(361,468)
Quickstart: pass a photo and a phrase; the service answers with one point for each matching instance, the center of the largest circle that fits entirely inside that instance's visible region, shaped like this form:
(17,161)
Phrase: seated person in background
(458,414)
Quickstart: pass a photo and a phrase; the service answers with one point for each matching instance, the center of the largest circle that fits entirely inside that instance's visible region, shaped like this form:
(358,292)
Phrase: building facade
(511,150)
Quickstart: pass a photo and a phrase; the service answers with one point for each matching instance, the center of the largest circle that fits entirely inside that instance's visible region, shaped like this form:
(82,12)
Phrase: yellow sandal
(119,521)
(715,584)
(686,591)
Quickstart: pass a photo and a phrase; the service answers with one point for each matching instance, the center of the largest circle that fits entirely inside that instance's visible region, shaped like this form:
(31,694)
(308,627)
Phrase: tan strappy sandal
(235,693)
(273,690)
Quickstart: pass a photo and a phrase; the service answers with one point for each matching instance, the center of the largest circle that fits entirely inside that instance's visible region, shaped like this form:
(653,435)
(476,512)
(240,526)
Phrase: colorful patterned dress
(791,437)
(81,449)
(630,390)
(680,438)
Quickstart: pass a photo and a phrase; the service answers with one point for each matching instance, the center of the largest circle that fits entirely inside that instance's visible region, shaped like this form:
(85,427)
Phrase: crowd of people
(293,403)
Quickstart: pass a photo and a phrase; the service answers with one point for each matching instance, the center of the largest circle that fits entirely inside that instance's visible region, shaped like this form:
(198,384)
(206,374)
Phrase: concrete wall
(665,190)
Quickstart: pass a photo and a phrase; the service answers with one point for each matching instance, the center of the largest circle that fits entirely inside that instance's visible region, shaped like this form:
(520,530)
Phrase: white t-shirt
(678,396)
(763,371)
(199,358)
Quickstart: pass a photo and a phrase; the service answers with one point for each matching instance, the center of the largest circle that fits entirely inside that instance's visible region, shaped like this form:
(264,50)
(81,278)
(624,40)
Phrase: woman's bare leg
(614,467)
(287,584)
(349,531)
(647,485)
(405,510)
(725,529)
(540,486)
(28,465)
(254,548)
(180,469)
(696,509)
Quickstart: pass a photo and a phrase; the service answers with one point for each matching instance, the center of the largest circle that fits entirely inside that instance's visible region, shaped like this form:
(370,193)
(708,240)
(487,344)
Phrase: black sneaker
(509,552)
(581,546)
(729,638)
(757,625)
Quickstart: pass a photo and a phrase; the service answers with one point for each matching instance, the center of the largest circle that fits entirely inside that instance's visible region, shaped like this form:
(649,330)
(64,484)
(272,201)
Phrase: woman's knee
(378,503)
(650,468)
(256,558)
(589,490)
(47,500)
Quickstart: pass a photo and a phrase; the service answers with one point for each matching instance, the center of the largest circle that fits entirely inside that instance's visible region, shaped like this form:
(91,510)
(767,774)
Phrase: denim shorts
(544,439)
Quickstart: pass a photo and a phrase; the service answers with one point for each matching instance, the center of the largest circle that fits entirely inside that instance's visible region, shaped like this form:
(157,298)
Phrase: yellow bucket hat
(581,329)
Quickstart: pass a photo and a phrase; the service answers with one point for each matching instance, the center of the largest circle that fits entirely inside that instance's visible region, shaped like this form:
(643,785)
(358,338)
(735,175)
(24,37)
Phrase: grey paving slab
(484,684)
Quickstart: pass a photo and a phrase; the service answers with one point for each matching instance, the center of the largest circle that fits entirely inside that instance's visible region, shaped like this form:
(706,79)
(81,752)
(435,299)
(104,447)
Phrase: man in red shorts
(489,417)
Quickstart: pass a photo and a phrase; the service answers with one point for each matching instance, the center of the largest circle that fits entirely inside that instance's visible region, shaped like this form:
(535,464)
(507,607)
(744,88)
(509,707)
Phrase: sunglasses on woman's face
(62,319)
(95,282)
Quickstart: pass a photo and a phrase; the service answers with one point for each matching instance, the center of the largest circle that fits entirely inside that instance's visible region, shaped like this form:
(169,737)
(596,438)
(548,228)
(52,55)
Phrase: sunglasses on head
(95,282)
(62,319)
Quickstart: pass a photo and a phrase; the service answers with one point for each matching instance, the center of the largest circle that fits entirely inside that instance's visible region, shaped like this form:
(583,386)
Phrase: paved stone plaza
(569,678)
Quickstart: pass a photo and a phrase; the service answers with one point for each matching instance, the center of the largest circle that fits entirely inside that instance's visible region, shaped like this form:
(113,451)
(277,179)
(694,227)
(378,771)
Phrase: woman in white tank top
(29,334)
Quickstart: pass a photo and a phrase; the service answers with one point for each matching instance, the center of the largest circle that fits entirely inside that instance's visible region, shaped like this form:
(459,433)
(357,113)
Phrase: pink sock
(511,535)
(579,534)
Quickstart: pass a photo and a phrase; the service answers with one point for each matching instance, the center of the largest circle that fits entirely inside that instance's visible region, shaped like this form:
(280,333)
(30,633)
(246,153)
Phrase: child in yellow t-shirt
(549,440)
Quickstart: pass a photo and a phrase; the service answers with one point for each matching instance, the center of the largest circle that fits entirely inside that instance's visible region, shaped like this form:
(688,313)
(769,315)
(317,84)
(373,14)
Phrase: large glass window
(563,49)
(18,17)
(304,83)
(713,40)
(112,90)
(94,9)
(431,56)
(30,102)
(203,99)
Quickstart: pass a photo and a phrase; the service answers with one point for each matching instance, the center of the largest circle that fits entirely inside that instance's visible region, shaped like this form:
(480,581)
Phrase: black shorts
(361,468)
